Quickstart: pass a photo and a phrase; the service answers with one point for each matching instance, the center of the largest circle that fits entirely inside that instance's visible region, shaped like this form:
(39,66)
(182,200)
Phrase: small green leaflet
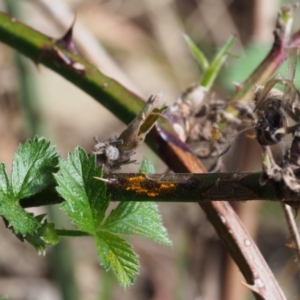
(197,53)
(146,167)
(86,203)
(215,66)
(32,168)
(45,236)
(210,69)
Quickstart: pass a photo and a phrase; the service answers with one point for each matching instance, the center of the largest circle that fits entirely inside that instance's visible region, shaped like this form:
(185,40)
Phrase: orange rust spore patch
(167,186)
(140,185)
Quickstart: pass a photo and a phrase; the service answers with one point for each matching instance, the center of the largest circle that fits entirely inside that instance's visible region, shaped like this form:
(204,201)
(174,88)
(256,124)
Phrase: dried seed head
(112,153)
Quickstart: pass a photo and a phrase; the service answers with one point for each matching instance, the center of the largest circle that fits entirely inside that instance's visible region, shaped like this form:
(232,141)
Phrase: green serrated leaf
(138,218)
(86,203)
(115,253)
(86,199)
(197,53)
(32,169)
(44,237)
(22,222)
(213,70)
(33,165)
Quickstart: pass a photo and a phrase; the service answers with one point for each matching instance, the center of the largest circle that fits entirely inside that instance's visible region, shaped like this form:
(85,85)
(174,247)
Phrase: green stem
(179,187)
(71,233)
(43,50)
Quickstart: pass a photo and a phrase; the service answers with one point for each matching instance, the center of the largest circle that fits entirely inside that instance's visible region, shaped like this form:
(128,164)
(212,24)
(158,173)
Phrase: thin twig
(293,229)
